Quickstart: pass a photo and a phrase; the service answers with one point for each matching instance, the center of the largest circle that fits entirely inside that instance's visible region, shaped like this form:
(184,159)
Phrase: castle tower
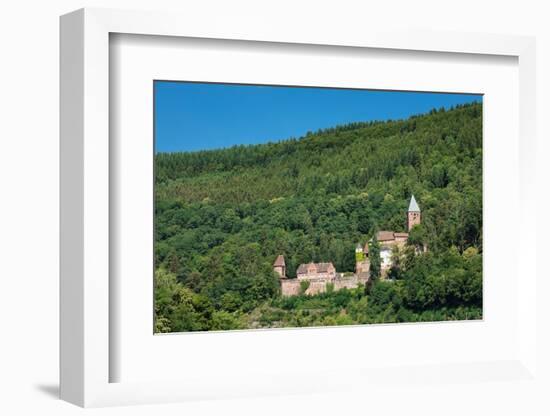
(358,252)
(413,214)
(279,266)
(362,261)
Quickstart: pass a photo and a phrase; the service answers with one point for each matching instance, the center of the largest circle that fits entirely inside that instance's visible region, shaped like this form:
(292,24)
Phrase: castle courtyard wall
(291,287)
(349,282)
(316,286)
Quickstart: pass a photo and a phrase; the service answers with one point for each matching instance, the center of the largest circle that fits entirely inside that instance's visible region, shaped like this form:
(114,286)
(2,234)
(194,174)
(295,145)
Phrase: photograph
(298,206)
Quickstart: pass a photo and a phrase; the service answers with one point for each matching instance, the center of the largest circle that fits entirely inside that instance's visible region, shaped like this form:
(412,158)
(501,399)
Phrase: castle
(312,278)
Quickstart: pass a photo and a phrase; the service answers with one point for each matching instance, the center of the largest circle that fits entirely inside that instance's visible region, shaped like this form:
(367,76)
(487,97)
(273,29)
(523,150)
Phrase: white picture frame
(85,346)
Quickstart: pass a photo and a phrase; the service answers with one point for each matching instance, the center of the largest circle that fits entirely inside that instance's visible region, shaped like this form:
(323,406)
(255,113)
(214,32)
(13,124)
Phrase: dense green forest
(222,217)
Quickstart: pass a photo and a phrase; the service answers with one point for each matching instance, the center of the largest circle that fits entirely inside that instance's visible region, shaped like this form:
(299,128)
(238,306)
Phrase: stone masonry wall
(350,282)
(291,287)
(316,286)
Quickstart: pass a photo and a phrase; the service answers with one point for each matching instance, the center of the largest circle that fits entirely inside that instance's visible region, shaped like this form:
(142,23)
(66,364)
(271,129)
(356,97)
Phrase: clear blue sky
(199,116)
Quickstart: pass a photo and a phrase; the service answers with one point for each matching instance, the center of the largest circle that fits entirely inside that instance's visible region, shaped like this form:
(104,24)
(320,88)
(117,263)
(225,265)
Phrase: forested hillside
(223,216)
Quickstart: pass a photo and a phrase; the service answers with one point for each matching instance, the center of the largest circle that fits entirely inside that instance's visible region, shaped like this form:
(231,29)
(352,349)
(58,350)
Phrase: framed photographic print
(281,213)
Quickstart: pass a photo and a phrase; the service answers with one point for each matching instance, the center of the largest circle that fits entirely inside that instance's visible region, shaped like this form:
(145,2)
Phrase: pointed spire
(413,206)
(279,261)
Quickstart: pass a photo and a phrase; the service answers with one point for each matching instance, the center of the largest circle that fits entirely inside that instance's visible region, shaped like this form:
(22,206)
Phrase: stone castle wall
(316,286)
(350,282)
(291,287)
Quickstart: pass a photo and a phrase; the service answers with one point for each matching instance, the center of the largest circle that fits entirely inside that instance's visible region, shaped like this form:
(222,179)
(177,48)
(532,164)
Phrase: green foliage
(441,281)
(178,308)
(222,217)
(397,263)
(417,237)
(375,260)
(304,286)
(223,320)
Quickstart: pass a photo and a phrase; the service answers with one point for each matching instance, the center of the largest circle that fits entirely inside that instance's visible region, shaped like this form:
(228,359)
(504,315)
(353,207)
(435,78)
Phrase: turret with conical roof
(279,266)
(413,214)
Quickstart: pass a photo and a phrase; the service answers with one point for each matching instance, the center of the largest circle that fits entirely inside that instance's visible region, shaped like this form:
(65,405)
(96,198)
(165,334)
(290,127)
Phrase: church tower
(413,215)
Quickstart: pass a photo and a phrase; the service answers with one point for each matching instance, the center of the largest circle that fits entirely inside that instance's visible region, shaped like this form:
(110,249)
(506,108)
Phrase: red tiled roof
(302,268)
(318,267)
(323,267)
(279,261)
(385,236)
